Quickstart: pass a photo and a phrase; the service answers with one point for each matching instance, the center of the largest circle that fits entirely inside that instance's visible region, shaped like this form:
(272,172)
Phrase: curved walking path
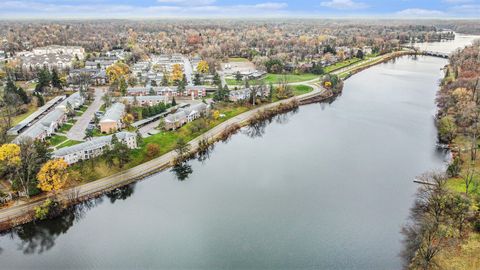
(133,174)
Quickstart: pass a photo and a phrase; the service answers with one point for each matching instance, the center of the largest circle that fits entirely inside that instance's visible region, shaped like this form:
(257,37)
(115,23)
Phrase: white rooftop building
(94,147)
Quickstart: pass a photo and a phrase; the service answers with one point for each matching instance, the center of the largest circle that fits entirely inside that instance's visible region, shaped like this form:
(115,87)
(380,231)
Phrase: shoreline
(22,213)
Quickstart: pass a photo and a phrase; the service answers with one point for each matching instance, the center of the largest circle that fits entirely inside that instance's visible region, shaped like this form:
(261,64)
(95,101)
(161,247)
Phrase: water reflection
(121,193)
(39,236)
(204,154)
(257,129)
(182,170)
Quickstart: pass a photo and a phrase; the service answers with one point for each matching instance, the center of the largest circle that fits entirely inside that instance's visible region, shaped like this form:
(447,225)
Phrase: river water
(326,187)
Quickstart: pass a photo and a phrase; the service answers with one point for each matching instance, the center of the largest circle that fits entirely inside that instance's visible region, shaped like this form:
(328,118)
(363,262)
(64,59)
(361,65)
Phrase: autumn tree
(202,67)
(53,175)
(177,73)
(33,154)
(152,150)
(10,154)
(128,119)
(116,71)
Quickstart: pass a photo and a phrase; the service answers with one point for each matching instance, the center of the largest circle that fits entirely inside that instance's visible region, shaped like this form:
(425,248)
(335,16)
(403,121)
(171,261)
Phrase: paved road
(131,175)
(188,69)
(77,132)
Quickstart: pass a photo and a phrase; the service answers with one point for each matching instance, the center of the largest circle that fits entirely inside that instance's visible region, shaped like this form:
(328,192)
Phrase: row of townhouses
(46,125)
(55,56)
(94,147)
(185,115)
(170,91)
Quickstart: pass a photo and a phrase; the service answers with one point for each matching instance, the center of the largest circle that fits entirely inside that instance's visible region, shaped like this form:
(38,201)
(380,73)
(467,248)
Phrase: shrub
(47,209)
(446,129)
(152,150)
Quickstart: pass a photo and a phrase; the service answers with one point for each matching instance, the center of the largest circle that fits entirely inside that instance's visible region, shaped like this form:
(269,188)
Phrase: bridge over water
(425,52)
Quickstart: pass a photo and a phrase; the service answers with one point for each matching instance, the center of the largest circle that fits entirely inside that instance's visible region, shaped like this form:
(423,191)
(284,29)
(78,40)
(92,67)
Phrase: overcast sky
(238,9)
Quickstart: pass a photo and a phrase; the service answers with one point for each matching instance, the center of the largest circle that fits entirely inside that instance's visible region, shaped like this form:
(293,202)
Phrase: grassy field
(233,81)
(57,139)
(237,59)
(465,257)
(68,143)
(65,128)
(301,89)
(341,64)
(18,118)
(291,78)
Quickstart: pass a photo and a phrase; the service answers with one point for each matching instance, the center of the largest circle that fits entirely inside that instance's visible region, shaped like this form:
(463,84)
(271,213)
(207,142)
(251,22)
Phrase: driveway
(77,132)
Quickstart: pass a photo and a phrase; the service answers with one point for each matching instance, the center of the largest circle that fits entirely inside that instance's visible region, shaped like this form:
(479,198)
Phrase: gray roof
(147,89)
(94,143)
(52,116)
(25,122)
(74,99)
(33,132)
(199,107)
(114,113)
(171,118)
(143,98)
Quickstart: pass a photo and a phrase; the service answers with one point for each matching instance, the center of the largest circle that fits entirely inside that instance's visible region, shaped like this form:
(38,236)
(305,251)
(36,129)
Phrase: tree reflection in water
(257,129)
(204,154)
(182,170)
(39,236)
(121,193)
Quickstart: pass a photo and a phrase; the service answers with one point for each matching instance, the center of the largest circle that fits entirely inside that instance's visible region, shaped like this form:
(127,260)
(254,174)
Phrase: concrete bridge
(436,54)
(425,52)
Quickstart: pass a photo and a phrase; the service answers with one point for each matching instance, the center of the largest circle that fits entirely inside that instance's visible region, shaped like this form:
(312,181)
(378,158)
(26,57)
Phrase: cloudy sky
(238,8)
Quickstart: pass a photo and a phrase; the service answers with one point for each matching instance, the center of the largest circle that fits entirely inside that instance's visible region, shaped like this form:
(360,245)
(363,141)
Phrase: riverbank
(444,229)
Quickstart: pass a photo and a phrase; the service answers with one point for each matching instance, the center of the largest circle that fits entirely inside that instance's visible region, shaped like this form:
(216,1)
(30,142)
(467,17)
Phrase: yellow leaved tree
(202,67)
(116,71)
(10,154)
(177,72)
(53,175)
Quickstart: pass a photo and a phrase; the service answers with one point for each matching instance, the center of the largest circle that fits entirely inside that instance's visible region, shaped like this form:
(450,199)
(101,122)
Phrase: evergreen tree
(360,54)
(226,93)
(123,86)
(174,102)
(216,79)
(56,80)
(44,78)
(196,80)
(165,80)
(238,76)
(139,138)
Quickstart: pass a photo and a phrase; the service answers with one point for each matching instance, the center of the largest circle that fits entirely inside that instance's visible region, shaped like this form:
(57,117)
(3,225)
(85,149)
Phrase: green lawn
(68,143)
(83,108)
(341,64)
(237,59)
(18,118)
(233,81)
(65,128)
(57,139)
(291,78)
(275,78)
(78,113)
(301,89)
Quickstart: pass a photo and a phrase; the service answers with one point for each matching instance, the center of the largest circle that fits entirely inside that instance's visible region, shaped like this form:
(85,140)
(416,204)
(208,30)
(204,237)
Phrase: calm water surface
(326,187)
